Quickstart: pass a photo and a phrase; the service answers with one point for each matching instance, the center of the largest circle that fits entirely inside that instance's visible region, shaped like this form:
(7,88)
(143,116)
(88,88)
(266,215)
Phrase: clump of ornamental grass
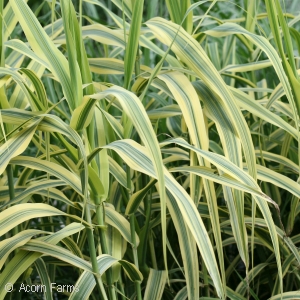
(149,149)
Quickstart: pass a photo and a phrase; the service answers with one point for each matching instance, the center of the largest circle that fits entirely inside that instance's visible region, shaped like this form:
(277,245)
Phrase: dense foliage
(149,149)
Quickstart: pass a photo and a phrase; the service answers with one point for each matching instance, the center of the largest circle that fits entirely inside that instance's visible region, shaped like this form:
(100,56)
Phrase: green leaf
(131,50)
(51,168)
(155,284)
(137,198)
(45,280)
(17,214)
(9,245)
(86,281)
(16,145)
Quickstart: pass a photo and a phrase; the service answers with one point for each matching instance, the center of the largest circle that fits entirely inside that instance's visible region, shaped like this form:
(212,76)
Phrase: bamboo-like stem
(133,239)
(121,288)
(152,252)
(205,279)
(100,215)
(143,244)
(10,179)
(135,255)
(90,238)
(93,256)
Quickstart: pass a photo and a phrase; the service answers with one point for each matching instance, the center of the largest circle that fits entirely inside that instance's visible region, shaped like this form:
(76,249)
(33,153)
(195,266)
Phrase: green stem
(143,243)
(205,279)
(135,255)
(152,252)
(121,287)
(90,238)
(10,179)
(91,243)
(138,290)
(133,239)
(100,214)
